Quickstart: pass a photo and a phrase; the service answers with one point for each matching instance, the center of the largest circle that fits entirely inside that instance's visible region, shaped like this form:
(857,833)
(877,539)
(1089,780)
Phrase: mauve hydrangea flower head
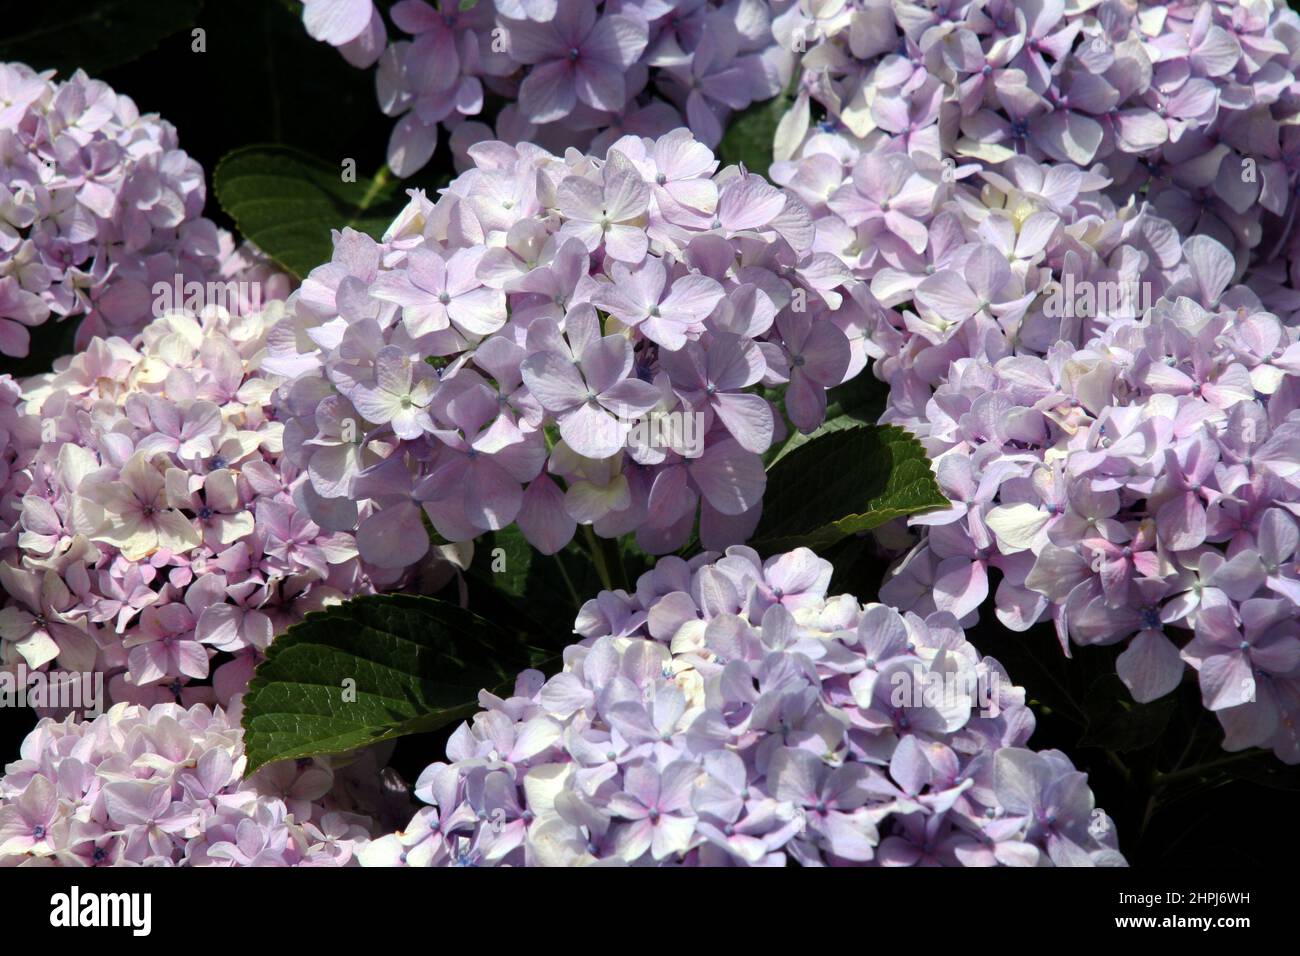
(557,342)
(164,786)
(155,532)
(1113,418)
(572,73)
(97,204)
(1183,102)
(727,712)
(1116,426)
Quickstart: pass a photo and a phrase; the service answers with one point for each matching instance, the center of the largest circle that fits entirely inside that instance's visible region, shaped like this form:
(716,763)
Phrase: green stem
(597,553)
(568,582)
(372,193)
(1165,779)
(608,560)
(1119,765)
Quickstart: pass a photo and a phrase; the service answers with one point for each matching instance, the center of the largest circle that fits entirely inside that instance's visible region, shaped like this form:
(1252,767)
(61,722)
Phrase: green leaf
(418,664)
(1118,723)
(862,398)
(848,479)
(69,34)
(1265,769)
(859,401)
(286,202)
(541,592)
(752,131)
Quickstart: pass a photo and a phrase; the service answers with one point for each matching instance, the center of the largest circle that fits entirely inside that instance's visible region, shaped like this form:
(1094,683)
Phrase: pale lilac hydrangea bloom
(1184,102)
(165,786)
(563,342)
(577,73)
(154,531)
(1078,364)
(97,203)
(1116,426)
(727,712)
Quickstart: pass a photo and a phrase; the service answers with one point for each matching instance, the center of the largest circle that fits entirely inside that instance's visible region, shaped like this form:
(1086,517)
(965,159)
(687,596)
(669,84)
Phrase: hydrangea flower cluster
(577,73)
(1051,306)
(558,342)
(164,786)
(97,203)
(1112,419)
(1184,102)
(154,530)
(727,712)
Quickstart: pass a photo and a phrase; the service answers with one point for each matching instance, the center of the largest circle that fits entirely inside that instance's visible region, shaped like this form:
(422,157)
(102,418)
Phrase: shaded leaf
(67,35)
(849,479)
(1117,722)
(541,592)
(418,664)
(287,202)
(751,132)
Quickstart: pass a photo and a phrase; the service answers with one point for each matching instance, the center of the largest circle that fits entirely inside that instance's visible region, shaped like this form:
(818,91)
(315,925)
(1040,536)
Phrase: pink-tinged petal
(364,51)
(618,40)
(1068,137)
(542,517)
(1218,53)
(15,340)
(148,663)
(826,354)
(376,405)
(1250,725)
(1279,656)
(748,418)
(411,145)
(626,243)
(730,478)
(627,195)
(667,494)
(1140,130)
(548,93)
(479,312)
(1019,608)
(554,381)
(336,21)
(694,296)
(592,432)
(1150,666)
(600,85)
(734,363)
(492,497)
(415,17)
(606,361)
(1181,522)
(1227,680)
(805,402)
(665,331)
(1212,267)
(579,198)
(393,537)
(749,203)
(960,586)
(219,625)
(947,294)
(630,398)
(192,659)
(719,531)
(702,119)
